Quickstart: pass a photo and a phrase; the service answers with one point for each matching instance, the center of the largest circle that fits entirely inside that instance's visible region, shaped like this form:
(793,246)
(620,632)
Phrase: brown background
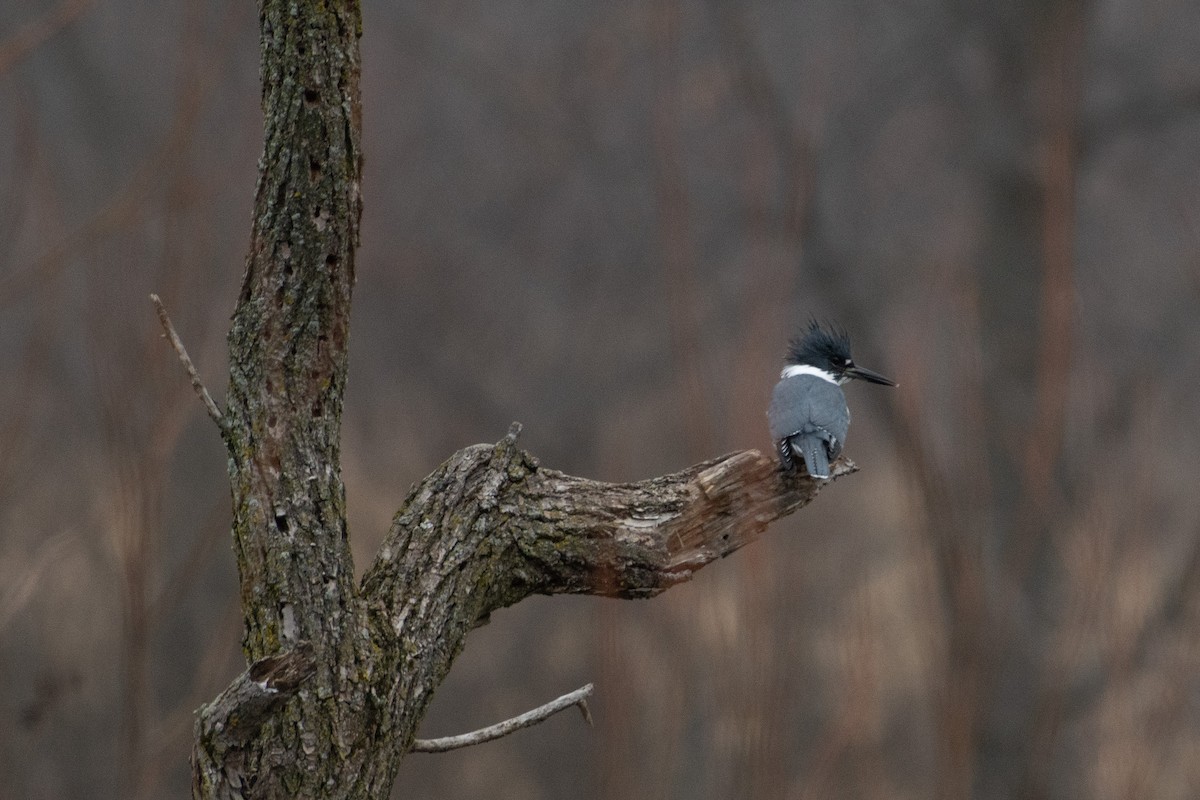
(604,220)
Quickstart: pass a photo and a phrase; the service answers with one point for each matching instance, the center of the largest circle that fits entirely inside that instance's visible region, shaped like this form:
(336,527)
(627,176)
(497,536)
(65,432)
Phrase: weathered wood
(288,357)
(342,673)
(233,720)
(488,528)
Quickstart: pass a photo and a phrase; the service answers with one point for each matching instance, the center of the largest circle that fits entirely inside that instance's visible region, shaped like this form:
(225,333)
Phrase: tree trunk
(340,675)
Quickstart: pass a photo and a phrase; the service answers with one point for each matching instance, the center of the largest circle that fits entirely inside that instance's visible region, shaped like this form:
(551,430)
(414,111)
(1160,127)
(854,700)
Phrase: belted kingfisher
(808,416)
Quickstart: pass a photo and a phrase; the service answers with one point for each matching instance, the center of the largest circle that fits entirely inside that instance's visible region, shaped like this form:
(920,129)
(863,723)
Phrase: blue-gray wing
(806,401)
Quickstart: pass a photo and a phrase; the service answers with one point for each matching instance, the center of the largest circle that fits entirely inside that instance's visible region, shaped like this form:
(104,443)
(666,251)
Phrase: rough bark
(340,674)
(488,528)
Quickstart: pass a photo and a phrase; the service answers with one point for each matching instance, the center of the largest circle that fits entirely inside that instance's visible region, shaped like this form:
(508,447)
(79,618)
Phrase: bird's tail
(816,456)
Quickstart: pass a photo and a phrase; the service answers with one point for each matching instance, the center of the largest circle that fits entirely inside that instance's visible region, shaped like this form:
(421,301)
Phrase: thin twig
(180,351)
(529,718)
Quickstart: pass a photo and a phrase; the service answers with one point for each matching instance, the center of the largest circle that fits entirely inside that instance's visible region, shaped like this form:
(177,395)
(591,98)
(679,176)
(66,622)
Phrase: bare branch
(490,527)
(639,539)
(526,720)
(565,534)
(197,384)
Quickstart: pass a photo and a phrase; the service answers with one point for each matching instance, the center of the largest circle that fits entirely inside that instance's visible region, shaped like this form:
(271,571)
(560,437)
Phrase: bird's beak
(855,371)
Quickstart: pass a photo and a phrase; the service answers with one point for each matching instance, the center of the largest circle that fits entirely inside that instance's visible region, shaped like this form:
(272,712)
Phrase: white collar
(792,370)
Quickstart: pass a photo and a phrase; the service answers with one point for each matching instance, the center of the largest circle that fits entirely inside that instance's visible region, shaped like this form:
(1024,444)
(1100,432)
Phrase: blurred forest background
(604,220)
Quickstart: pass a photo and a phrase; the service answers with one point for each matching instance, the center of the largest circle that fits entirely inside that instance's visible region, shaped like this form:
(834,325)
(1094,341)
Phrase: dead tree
(341,672)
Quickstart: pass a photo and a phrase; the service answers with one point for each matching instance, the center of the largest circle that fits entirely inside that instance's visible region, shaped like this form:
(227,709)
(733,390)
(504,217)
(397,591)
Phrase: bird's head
(828,349)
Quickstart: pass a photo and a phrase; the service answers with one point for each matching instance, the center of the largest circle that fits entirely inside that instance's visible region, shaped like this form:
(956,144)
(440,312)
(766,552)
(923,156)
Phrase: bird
(808,415)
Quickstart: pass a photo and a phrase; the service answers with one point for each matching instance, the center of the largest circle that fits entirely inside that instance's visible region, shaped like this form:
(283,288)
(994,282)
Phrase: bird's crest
(819,345)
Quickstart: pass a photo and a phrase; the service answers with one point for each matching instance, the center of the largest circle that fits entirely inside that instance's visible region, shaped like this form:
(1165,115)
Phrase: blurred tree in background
(604,222)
